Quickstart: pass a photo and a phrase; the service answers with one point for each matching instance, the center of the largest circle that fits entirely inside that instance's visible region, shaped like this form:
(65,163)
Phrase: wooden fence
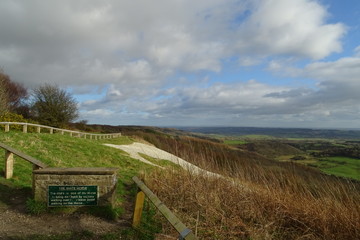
(9,160)
(61,131)
(184,232)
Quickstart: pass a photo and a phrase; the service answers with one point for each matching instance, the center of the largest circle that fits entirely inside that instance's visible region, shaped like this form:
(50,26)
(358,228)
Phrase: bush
(13,117)
(3,97)
(53,106)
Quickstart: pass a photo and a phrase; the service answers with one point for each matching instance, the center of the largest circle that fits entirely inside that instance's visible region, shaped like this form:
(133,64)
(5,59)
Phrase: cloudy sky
(272,63)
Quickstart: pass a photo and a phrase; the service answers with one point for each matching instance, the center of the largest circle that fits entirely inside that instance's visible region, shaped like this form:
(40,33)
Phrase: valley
(335,152)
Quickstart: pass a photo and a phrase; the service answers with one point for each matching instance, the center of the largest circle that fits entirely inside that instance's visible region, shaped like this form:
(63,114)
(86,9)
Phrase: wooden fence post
(25,128)
(51,130)
(7,127)
(185,233)
(139,205)
(35,167)
(9,164)
(38,129)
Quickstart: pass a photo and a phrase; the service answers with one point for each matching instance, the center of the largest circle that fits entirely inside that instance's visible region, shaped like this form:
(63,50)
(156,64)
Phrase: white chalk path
(135,148)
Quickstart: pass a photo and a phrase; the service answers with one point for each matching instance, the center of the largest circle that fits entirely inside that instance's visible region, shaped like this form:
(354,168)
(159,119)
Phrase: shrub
(53,106)
(3,98)
(13,117)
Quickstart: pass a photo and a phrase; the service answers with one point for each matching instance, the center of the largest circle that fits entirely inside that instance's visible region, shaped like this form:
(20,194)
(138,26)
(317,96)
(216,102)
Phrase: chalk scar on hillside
(135,148)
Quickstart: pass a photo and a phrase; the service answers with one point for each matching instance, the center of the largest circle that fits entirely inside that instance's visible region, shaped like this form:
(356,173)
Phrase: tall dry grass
(218,209)
(258,199)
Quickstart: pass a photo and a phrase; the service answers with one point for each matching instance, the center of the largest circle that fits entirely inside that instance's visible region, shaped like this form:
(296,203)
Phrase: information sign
(72,196)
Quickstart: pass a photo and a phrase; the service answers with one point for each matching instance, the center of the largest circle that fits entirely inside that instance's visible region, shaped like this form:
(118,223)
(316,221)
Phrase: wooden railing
(9,160)
(61,131)
(184,232)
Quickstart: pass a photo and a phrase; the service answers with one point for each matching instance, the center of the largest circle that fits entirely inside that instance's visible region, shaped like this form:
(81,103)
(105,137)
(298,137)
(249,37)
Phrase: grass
(58,150)
(34,207)
(149,226)
(218,209)
(340,166)
(257,137)
(63,151)
(257,199)
(234,142)
(160,162)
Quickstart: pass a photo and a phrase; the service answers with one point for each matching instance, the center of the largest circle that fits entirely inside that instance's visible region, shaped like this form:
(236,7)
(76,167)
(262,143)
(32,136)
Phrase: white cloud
(99,112)
(336,93)
(290,27)
(77,42)
(344,70)
(247,61)
(137,51)
(357,51)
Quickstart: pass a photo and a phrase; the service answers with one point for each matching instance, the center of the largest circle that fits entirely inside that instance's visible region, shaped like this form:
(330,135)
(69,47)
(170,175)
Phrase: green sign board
(72,196)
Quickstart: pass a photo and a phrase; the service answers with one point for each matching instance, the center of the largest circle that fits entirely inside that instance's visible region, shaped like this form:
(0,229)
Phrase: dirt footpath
(15,222)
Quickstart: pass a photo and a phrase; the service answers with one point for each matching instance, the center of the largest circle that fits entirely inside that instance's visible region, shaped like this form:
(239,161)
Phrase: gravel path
(135,148)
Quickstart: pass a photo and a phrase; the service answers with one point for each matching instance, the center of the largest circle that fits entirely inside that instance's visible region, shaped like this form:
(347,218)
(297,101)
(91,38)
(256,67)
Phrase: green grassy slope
(285,201)
(340,166)
(57,150)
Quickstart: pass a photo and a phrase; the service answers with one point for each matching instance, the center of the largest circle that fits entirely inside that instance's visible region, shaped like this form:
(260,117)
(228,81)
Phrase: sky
(258,63)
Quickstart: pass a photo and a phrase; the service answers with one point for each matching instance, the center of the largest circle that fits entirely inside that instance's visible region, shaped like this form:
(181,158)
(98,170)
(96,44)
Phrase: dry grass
(268,200)
(227,211)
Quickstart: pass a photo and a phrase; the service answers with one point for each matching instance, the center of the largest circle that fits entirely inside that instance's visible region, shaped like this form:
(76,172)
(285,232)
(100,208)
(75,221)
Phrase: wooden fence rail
(9,160)
(62,131)
(184,232)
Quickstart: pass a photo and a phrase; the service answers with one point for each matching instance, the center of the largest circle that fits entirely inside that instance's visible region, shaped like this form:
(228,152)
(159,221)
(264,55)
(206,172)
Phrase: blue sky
(266,63)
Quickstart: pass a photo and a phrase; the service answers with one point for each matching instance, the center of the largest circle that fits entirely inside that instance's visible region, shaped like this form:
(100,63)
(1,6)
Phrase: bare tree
(3,97)
(53,106)
(15,92)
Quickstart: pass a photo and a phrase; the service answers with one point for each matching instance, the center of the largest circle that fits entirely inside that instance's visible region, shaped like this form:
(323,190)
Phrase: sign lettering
(72,196)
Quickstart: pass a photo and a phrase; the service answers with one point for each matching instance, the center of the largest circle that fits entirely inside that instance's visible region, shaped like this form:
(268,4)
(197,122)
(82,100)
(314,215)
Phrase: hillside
(293,200)
(271,149)
(64,151)
(257,198)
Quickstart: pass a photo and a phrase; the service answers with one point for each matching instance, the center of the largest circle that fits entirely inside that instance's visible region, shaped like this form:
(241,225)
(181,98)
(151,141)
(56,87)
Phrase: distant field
(340,166)
(258,137)
(239,140)
(295,133)
(234,142)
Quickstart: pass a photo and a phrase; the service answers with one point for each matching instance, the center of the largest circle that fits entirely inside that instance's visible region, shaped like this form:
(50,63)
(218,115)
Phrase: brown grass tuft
(257,199)
(221,209)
